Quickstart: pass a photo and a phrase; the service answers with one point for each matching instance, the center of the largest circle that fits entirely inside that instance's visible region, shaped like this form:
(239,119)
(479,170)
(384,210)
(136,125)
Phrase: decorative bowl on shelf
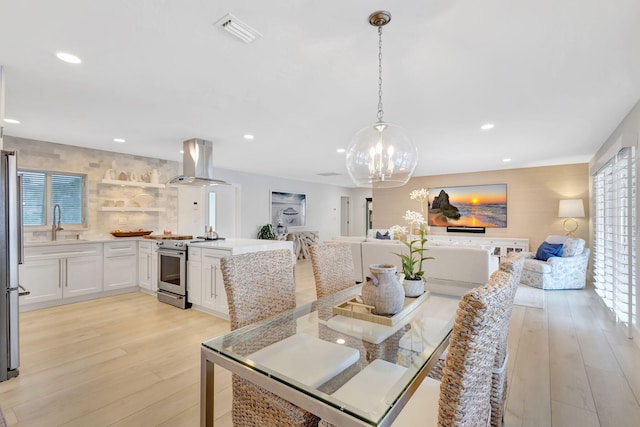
(130,233)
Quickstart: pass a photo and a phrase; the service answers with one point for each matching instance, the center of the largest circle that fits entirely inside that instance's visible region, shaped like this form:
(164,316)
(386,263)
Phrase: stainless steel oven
(172,273)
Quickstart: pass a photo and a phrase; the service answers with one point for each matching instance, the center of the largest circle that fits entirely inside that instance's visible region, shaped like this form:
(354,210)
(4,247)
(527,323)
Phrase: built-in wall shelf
(130,209)
(131,183)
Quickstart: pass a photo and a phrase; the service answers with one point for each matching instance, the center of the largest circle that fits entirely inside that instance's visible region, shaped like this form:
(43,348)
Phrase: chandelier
(381,155)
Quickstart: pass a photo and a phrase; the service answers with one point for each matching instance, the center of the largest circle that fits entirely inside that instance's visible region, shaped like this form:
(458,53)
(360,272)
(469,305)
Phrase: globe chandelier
(381,155)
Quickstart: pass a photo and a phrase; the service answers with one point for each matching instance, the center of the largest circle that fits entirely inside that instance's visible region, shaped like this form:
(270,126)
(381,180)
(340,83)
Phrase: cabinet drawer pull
(215,278)
(212,282)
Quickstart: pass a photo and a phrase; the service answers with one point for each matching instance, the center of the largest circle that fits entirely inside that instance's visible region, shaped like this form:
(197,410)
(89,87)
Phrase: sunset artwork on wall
(469,206)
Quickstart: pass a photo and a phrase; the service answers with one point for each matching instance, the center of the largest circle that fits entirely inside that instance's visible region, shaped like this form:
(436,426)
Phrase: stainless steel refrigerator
(11,254)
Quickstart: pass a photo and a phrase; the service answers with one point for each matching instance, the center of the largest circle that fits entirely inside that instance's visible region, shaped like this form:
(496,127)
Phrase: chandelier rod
(380,110)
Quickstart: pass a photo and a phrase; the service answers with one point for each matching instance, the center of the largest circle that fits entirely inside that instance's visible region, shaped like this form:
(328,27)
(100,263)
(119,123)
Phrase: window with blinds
(614,262)
(42,190)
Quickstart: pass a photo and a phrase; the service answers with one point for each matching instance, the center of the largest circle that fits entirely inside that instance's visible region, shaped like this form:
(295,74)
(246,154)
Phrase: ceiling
(555,77)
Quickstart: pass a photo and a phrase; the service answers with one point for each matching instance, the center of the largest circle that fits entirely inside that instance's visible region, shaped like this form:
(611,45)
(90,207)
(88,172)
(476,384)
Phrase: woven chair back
(511,264)
(258,285)
(261,285)
(466,381)
(332,265)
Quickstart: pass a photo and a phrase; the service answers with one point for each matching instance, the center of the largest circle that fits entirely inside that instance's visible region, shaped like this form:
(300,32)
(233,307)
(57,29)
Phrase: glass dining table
(348,371)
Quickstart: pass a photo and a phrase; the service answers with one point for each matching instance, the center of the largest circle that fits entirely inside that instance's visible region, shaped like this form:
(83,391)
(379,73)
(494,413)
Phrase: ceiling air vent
(237,28)
(329,174)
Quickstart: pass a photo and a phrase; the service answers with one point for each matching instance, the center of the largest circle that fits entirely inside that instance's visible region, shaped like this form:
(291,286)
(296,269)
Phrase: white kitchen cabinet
(42,279)
(120,265)
(55,272)
(214,296)
(81,275)
(148,265)
(194,276)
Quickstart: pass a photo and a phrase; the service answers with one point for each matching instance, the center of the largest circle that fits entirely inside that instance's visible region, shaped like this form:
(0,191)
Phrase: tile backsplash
(97,164)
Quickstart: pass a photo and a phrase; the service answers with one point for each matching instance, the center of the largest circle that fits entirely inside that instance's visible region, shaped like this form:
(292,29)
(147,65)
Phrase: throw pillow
(548,250)
(384,236)
(572,246)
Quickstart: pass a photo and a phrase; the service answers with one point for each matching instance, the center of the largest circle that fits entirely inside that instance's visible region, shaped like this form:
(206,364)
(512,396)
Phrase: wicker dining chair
(332,265)
(462,398)
(260,285)
(463,394)
(512,264)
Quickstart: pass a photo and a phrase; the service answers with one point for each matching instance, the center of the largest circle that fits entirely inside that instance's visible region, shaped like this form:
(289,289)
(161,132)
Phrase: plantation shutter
(614,263)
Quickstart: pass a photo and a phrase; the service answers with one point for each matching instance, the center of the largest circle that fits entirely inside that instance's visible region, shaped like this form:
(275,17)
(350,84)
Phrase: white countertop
(77,241)
(238,246)
(235,245)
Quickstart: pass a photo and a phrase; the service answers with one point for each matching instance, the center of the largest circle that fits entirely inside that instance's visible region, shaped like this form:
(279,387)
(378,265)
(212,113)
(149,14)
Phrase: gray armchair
(568,271)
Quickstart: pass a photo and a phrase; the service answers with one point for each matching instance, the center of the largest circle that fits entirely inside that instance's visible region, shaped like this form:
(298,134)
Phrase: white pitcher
(383,290)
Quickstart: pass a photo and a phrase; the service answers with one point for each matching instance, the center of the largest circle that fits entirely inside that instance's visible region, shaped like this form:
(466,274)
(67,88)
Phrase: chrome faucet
(56,227)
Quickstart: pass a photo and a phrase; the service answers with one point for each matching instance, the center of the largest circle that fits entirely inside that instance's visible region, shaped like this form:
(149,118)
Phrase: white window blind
(614,263)
(41,190)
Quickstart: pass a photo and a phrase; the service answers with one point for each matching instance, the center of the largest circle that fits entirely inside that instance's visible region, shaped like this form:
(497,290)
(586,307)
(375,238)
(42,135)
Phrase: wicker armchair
(260,285)
(332,265)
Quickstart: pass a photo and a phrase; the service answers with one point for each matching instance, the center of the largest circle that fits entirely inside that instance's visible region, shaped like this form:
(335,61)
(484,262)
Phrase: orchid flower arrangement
(412,262)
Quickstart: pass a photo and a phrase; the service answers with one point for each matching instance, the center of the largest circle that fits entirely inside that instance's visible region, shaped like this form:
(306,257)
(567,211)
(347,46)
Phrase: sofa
(454,269)
(566,270)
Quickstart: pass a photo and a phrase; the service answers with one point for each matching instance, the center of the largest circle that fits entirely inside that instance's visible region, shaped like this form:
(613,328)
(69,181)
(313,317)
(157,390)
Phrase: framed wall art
(483,206)
(288,209)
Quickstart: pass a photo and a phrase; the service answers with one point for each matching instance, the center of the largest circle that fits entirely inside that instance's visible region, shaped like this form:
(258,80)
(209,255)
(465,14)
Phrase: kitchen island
(205,288)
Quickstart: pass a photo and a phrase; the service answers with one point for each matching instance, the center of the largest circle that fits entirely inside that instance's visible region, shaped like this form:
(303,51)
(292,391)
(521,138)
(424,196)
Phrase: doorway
(345,214)
(222,208)
(369,214)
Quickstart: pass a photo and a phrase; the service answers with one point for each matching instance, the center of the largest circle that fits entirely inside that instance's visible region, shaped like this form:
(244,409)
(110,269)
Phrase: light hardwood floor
(131,361)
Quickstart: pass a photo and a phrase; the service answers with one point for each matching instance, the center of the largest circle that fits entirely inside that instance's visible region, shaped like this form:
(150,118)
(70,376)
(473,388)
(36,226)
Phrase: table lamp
(571,209)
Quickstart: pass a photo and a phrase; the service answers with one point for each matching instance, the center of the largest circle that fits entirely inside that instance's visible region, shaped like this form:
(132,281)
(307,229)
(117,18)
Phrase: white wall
(323,204)
(193,210)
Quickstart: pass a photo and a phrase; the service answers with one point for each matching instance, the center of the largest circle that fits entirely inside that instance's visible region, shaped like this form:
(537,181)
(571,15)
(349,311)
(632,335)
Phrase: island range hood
(197,164)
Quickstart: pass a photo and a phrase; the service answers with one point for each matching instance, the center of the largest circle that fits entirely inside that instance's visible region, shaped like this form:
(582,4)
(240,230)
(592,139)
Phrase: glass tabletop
(358,366)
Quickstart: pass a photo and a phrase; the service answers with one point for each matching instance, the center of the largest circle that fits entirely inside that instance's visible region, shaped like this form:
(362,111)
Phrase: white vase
(154,177)
(413,288)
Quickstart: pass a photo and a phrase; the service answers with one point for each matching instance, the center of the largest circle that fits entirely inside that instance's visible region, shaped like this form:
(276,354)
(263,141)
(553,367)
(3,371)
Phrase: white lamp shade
(571,208)
(381,155)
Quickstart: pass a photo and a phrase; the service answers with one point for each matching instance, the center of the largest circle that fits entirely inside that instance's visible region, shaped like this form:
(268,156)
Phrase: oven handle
(167,294)
(171,252)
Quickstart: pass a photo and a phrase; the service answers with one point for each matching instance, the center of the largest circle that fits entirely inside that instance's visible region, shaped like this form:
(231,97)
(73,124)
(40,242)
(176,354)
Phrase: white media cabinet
(502,245)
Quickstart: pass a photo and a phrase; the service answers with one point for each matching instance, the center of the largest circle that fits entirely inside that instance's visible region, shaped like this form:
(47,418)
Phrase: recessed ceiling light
(14,121)
(67,57)
(248,136)
(506,160)
(119,140)
(340,150)
(181,151)
(487,126)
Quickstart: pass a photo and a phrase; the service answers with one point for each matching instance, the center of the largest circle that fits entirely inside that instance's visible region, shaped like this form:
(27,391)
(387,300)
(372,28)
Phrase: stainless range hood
(197,164)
